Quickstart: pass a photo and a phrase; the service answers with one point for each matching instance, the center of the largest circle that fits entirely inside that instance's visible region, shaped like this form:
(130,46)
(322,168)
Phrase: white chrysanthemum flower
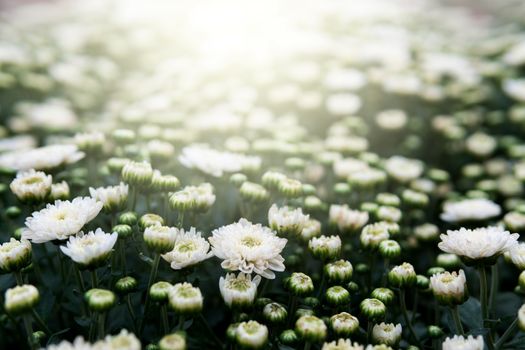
(449,288)
(470,210)
(343,103)
(122,341)
(251,335)
(91,249)
(113,197)
(403,169)
(215,162)
(515,88)
(160,238)
(286,220)
(248,248)
(185,298)
(342,344)
(43,158)
(59,190)
(367,178)
(325,247)
(312,228)
(240,290)
(459,342)
(60,220)
(78,344)
(31,186)
(15,255)
(189,249)
(387,333)
(481,144)
(481,243)
(393,119)
(345,167)
(373,234)
(517,255)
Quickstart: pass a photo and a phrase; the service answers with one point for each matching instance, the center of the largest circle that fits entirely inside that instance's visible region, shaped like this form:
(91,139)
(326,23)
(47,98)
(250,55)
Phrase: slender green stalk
(494,282)
(180,222)
(457,319)
(40,322)
(402,301)
(512,328)
(180,325)
(18,277)
(211,332)
(29,331)
(291,308)
(369,328)
(101,323)
(152,276)
(80,280)
(94,279)
(130,310)
(164,316)
(122,251)
(483,299)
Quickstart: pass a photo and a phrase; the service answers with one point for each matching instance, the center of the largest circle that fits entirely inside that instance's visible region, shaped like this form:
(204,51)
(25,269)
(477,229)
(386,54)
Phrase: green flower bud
(385,295)
(389,249)
(164,183)
(271,179)
(251,191)
(21,299)
(174,341)
(369,207)
(373,309)
(521,280)
(185,299)
(238,179)
(362,268)
(13,212)
(148,220)
(290,188)
(337,296)
(308,189)
(126,285)
(435,332)
(388,213)
(300,284)
(312,302)
(59,191)
(251,335)
(388,199)
(159,291)
(275,313)
(160,239)
(304,312)
(339,271)
(352,287)
(100,300)
(415,199)
(313,203)
(39,337)
(128,218)
(115,164)
(123,231)
(402,276)
(344,324)
(138,174)
(434,270)
(262,302)
(422,282)
(448,261)
(231,331)
(15,255)
(289,337)
(311,329)
(17,234)
(342,189)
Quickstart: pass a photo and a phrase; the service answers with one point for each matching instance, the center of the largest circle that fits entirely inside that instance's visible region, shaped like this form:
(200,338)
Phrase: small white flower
(348,166)
(61,219)
(31,186)
(185,298)
(122,341)
(403,169)
(393,119)
(189,249)
(160,238)
(59,190)
(286,220)
(515,88)
(325,246)
(521,317)
(346,219)
(78,344)
(88,250)
(342,344)
(459,342)
(343,103)
(240,290)
(43,158)
(449,288)
(15,255)
(373,234)
(387,333)
(470,210)
(251,335)
(249,248)
(480,243)
(312,228)
(481,144)
(113,197)
(517,255)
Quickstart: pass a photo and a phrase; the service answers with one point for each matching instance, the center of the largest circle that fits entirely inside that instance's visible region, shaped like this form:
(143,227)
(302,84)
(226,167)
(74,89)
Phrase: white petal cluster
(348,166)
(90,248)
(249,248)
(373,234)
(480,243)
(403,169)
(43,158)
(216,163)
(60,220)
(347,219)
(239,290)
(14,254)
(470,210)
(459,342)
(517,255)
(449,287)
(189,249)
(287,220)
(387,333)
(342,344)
(122,341)
(31,185)
(113,197)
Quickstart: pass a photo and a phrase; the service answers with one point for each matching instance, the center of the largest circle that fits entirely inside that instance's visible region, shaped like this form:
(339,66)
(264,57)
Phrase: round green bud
(304,312)
(344,324)
(115,164)
(434,270)
(308,189)
(435,332)
(39,336)
(389,249)
(289,337)
(352,287)
(137,174)
(148,220)
(17,233)
(313,203)
(294,163)
(388,199)
(373,309)
(337,296)
(362,268)
(300,284)
(290,188)
(238,179)
(385,295)
(339,271)
(292,260)
(415,198)
(262,302)
(311,329)
(251,335)
(231,331)
(174,341)
(21,299)
(100,300)
(13,212)
(185,299)
(448,261)
(342,189)
(274,313)
(159,291)
(369,207)
(123,136)
(123,231)
(271,179)
(402,276)
(312,302)
(164,183)
(253,192)
(422,282)
(128,218)
(126,285)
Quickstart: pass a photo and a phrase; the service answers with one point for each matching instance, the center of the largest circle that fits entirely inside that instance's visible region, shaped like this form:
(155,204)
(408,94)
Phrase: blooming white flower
(122,341)
(347,166)
(458,342)
(78,344)
(470,210)
(403,169)
(449,288)
(160,238)
(240,290)
(251,335)
(517,255)
(61,219)
(393,119)
(91,249)
(189,249)
(515,88)
(31,186)
(342,344)
(185,298)
(43,158)
(286,220)
(387,333)
(481,144)
(15,255)
(249,248)
(480,243)
(373,234)
(312,228)
(113,197)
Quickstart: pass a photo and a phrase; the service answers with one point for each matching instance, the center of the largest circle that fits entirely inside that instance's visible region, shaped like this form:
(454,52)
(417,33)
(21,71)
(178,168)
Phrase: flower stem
(457,319)
(211,332)
(507,334)
(130,310)
(402,301)
(40,322)
(483,296)
(164,315)
(94,280)
(494,280)
(152,276)
(18,277)
(101,322)
(80,280)
(29,330)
